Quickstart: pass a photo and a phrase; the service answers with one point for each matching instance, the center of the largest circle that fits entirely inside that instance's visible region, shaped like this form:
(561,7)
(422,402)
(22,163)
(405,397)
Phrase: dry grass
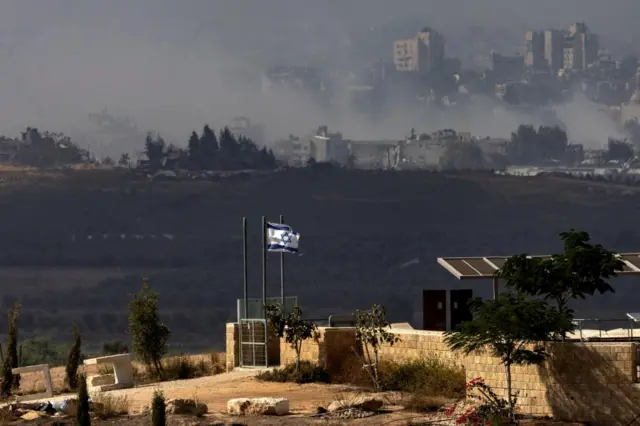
(179,367)
(107,405)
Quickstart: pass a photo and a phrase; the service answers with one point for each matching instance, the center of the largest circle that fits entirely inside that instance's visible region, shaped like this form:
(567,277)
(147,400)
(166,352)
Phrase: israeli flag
(282,238)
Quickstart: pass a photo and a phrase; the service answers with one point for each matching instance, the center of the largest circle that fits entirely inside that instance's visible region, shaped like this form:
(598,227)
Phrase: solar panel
(466,268)
(634,316)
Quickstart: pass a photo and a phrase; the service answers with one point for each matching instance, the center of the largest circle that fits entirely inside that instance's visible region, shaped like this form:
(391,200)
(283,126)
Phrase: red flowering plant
(491,409)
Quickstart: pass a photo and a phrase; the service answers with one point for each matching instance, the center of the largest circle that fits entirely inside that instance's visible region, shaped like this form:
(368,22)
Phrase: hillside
(358,230)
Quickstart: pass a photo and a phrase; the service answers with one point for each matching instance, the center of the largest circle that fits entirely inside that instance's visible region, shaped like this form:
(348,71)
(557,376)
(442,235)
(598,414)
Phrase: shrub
(73,359)
(10,358)
(158,409)
(83,418)
(308,373)
(184,367)
(424,404)
(108,405)
(425,376)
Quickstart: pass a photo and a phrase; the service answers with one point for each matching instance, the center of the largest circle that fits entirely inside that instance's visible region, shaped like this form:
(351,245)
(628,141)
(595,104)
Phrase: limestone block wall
(232,345)
(582,382)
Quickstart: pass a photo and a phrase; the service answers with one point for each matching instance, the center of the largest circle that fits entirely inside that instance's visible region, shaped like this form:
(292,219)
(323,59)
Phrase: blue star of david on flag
(282,238)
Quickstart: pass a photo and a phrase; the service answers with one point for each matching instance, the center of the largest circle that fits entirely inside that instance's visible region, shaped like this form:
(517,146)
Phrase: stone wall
(232,345)
(582,382)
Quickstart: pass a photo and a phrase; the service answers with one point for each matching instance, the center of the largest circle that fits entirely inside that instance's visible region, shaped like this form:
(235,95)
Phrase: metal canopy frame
(482,268)
(485,268)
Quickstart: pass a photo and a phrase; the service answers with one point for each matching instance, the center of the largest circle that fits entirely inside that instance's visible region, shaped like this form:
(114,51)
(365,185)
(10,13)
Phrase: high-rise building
(424,53)
(534,54)
(573,49)
(581,47)
(554,49)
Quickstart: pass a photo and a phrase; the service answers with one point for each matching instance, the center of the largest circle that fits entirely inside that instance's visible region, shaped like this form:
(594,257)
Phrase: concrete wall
(584,382)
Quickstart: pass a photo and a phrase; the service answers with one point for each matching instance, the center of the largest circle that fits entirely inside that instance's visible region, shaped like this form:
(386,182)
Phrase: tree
(371,333)
(108,161)
(83,418)
(154,148)
(229,149)
(292,327)
(148,334)
(158,409)
(619,150)
(512,329)
(10,358)
(581,270)
(552,143)
(209,148)
(125,160)
(73,360)
(193,149)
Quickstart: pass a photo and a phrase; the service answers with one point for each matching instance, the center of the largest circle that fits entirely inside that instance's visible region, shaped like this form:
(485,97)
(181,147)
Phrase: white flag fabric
(282,238)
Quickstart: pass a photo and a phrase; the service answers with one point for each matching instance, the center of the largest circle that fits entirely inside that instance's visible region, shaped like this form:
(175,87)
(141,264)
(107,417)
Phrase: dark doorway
(434,312)
(460,306)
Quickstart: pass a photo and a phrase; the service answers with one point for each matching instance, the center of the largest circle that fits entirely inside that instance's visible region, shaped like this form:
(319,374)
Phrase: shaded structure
(485,268)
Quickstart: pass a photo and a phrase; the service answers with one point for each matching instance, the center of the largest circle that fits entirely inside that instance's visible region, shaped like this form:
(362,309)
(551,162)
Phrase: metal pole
(246,267)
(495,288)
(264,264)
(282,271)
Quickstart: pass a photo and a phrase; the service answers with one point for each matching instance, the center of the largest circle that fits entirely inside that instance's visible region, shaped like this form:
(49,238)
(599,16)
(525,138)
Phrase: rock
(321,410)
(364,403)
(32,415)
(186,406)
(258,406)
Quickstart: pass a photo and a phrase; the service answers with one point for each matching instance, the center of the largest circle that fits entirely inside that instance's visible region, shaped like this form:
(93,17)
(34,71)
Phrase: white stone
(122,372)
(258,406)
(44,368)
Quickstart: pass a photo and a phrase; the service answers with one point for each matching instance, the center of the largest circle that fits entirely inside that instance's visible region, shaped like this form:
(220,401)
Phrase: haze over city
(173,66)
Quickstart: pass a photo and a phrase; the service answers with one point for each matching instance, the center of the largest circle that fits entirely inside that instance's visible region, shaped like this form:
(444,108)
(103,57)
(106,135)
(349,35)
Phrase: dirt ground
(215,391)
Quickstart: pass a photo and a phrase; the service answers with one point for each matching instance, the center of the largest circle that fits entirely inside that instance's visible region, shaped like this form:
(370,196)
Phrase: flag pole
(282,271)
(246,267)
(264,264)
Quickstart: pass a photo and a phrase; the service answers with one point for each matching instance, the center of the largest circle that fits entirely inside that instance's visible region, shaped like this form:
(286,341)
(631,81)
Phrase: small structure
(44,368)
(122,377)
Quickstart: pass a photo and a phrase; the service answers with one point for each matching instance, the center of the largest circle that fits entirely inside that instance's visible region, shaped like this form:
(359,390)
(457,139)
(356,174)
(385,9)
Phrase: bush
(184,367)
(83,418)
(106,406)
(309,373)
(425,376)
(158,409)
(73,360)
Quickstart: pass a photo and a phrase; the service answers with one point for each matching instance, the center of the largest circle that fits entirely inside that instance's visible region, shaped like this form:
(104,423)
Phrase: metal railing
(603,326)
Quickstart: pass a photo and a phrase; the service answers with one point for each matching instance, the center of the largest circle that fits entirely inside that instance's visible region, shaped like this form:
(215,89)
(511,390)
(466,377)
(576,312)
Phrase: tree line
(529,145)
(209,152)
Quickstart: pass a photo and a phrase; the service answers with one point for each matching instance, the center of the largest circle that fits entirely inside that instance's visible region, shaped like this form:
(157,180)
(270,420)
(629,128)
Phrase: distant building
(534,53)
(573,49)
(242,126)
(330,147)
(292,78)
(581,47)
(554,49)
(631,110)
(423,53)
(507,67)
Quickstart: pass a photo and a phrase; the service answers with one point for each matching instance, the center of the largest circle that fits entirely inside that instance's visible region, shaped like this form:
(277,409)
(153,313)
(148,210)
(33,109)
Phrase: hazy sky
(166,62)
